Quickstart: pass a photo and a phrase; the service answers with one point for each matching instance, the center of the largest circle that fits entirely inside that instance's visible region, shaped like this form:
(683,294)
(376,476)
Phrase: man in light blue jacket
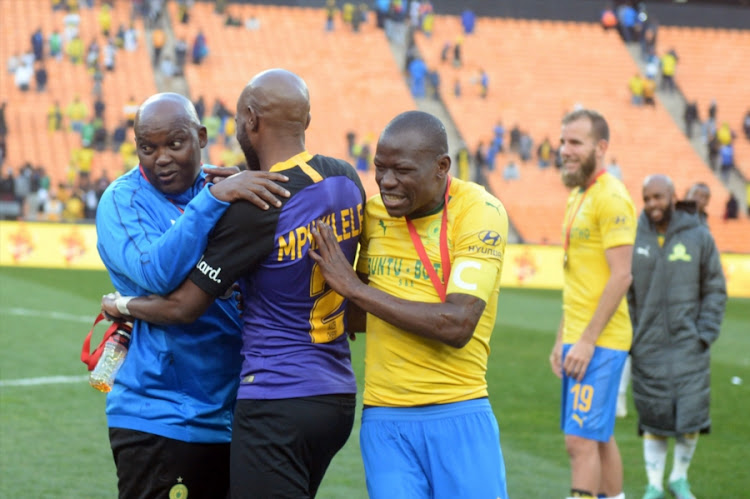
(170,410)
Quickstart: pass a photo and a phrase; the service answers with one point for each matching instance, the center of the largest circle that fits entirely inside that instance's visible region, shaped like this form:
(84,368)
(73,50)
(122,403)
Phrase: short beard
(251,155)
(580,177)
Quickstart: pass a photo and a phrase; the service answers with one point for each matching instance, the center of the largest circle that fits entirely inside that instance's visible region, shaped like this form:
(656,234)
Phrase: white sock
(684,447)
(655,456)
(624,379)
(621,495)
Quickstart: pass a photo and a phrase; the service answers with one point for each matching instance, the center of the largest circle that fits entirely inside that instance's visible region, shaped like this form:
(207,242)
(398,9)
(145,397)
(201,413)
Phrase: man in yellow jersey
(677,304)
(432,249)
(595,333)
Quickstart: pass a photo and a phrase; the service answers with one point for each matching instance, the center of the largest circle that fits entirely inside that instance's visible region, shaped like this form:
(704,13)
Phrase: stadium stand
(538,70)
(353,80)
(714,64)
(28,138)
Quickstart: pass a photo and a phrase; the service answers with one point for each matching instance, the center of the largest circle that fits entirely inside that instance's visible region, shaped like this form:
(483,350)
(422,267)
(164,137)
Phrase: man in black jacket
(677,302)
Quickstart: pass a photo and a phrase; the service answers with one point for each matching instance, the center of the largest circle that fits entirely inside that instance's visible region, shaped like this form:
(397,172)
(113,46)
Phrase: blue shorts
(588,407)
(448,451)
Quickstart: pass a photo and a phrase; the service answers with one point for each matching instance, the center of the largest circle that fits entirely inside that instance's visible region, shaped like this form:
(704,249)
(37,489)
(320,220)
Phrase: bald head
(429,129)
(659,181)
(658,200)
(280,98)
(177,106)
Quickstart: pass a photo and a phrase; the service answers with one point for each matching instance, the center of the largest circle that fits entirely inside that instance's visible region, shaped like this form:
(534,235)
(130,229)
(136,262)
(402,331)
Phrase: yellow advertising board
(73,246)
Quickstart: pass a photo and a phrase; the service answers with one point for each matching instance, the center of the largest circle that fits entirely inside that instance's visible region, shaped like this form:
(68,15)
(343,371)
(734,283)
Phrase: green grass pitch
(53,437)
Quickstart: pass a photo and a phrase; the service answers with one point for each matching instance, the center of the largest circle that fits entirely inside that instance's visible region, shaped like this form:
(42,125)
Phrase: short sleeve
(479,242)
(617,220)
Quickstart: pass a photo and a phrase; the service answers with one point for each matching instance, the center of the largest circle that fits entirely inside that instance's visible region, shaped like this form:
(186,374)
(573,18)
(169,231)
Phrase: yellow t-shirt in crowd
(606,219)
(401,368)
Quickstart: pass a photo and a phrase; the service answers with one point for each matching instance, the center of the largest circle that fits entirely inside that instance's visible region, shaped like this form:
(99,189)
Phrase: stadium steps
(348,90)
(537,72)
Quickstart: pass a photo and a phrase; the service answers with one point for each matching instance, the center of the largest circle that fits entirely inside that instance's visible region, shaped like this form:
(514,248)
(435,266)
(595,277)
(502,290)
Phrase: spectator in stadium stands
(130,40)
(200,107)
(515,138)
(652,66)
(700,194)
(614,169)
(417,76)
(649,92)
(37,44)
(55,45)
(23,75)
(99,107)
(76,112)
(480,156)
(330,11)
(119,135)
(74,50)
(92,54)
(200,48)
(484,83)
(295,411)
(426,354)
(594,335)
(511,171)
(732,208)
(156,219)
(668,69)
(544,153)
(180,54)
(457,88)
(608,18)
(627,18)
(110,53)
(724,134)
(635,85)
(104,19)
(3,120)
(648,35)
(54,117)
(40,75)
(167,67)
(129,111)
(468,21)
(498,136)
(690,117)
(746,125)
(525,146)
(726,165)
(158,40)
(252,23)
(457,52)
(677,281)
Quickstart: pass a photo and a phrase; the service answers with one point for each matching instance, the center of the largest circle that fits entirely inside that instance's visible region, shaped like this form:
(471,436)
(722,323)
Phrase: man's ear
(254,121)
(309,119)
(444,165)
(202,136)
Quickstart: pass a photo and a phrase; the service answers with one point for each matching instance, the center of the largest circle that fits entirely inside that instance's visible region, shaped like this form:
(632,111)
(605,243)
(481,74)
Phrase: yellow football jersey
(600,217)
(401,368)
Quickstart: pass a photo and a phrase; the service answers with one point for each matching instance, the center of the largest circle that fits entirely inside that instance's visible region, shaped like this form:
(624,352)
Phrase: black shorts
(150,467)
(282,448)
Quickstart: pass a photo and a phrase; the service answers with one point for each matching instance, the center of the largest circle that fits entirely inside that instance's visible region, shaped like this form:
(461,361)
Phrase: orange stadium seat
(28,138)
(537,72)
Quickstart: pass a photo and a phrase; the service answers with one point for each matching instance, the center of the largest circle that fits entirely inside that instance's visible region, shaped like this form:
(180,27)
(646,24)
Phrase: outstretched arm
(182,306)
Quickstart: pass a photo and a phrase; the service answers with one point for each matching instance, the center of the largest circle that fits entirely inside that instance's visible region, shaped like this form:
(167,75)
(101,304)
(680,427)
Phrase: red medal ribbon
(440,286)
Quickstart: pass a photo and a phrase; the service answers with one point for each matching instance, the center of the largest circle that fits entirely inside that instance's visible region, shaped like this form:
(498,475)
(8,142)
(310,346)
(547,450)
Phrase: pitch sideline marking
(48,314)
(45,314)
(43,380)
